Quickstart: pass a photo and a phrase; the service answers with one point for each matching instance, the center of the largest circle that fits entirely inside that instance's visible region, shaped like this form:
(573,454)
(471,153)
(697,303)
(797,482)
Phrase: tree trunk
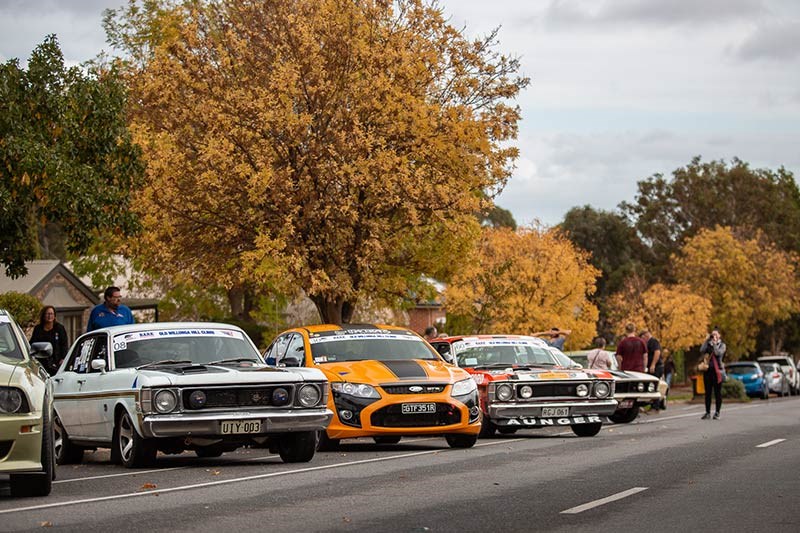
(241,302)
(336,311)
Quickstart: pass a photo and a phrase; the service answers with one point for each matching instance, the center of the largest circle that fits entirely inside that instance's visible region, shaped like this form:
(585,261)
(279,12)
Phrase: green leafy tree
(23,307)
(66,155)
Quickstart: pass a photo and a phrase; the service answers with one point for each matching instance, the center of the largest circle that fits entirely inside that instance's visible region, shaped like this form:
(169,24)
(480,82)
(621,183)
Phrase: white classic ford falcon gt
(170,387)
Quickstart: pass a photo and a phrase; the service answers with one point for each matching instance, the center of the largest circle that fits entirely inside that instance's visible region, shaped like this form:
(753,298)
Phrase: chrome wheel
(125,438)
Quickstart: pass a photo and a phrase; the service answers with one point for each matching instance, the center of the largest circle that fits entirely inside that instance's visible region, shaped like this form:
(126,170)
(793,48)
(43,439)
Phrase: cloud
(776,41)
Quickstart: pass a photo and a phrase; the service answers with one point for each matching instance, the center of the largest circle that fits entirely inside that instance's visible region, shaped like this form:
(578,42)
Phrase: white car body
(100,381)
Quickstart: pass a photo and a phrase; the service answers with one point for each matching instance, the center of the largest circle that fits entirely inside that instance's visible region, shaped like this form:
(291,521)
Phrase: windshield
(741,369)
(375,346)
(9,349)
(497,353)
(196,346)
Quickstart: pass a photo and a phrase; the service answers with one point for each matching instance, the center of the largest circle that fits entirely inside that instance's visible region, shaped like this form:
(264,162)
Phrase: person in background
(431,333)
(669,367)
(599,357)
(631,351)
(52,331)
(655,365)
(714,349)
(557,337)
(111,312)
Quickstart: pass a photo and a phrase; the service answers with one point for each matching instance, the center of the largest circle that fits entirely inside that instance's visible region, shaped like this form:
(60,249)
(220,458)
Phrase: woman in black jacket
(48,330)
(714,351)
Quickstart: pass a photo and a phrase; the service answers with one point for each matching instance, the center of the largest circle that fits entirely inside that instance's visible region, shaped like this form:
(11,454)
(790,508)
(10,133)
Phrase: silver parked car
(170,387)
(789,368)
(777,380)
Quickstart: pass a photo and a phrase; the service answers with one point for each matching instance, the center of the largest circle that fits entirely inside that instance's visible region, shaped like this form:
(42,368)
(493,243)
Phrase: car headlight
(640,386)
(525,392)
(165,401)
(582,390)
(602,389)
(359,390)
(504,392)
(464,387)
(308,395)
(11,400)
(651,387)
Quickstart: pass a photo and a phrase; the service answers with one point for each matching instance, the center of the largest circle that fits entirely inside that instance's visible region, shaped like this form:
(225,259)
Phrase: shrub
(24,307)
(733,389)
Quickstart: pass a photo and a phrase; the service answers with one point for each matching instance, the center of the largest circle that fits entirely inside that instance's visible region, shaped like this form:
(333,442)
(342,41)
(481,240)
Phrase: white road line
(603,501)
(770,443)
(240,479)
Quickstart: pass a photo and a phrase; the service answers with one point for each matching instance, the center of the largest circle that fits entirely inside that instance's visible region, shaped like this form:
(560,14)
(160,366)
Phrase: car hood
(178,375)
(15,374)
(630,375)
(374,372)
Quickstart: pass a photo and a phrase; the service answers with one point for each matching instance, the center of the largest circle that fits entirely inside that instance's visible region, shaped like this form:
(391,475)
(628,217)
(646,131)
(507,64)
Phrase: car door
(95,389)
(277,349)
(68,384)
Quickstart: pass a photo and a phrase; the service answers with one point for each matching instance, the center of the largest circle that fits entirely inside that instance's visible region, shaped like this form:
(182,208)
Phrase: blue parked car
(752,376)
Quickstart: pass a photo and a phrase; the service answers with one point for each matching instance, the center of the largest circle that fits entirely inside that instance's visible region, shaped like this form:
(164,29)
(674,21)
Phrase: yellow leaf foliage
(323,145)
(519,282)
(749,282)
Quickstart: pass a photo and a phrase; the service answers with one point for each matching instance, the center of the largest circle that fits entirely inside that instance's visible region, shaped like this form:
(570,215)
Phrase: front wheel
(461,441)
(505,430)
(297,447)
(40,483)
(132,449)
(586,430)
(66,452)
(765,393)
(624,416)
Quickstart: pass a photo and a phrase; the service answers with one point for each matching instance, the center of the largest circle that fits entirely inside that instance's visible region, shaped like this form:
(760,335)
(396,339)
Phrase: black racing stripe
(406,369)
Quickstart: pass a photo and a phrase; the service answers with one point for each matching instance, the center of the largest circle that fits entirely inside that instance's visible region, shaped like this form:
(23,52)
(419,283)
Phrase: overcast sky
(620,89)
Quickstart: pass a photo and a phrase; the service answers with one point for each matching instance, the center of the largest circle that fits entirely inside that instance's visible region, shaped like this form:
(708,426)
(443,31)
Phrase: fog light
(345,414)
(280,396)
(582,390)
(197,399)
(474,410)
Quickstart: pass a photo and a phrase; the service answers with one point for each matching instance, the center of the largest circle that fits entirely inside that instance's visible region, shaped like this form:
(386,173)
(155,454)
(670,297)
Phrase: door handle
(58,380)
(81,381)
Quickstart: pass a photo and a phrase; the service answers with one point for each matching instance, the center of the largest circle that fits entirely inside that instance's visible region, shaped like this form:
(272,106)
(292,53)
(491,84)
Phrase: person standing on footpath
(111,312)
(599,358)
(49,330)
(655,365)
(713,350)
(431,333)
(669,368)
(631,351)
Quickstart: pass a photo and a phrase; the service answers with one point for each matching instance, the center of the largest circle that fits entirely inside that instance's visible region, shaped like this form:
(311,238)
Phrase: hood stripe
(405,369)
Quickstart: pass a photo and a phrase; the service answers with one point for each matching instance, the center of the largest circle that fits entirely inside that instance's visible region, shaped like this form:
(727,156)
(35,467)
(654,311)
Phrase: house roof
(40,272)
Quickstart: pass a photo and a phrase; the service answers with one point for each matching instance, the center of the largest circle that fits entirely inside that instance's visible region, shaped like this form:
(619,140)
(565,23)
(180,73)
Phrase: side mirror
(447,356)
(99,364)
(290,360)
(42,350)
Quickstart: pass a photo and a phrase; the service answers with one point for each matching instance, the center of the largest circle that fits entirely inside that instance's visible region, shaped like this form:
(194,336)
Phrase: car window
(277,349)
(9,347)
(741,369)
(294,348)
(197,346)
(81,354)
(494,354)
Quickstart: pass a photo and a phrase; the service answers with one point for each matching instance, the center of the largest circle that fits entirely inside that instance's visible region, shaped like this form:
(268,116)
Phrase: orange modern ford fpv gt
(386,383)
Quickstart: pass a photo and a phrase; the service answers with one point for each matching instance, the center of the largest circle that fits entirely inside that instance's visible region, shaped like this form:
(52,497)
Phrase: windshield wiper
(165,362)
(233,360)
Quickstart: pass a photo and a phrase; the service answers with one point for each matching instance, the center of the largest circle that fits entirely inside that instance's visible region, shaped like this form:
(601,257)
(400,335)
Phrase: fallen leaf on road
(215,472)
(149,486)
(346,520)
(46,524)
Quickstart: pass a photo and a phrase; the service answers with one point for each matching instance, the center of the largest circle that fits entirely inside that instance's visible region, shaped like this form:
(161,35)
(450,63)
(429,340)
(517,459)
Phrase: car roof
(454,338)
(146,326)
(743,363)
(321,328)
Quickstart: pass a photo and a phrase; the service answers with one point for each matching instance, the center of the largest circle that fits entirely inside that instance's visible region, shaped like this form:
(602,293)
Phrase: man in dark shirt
(655,365)
(631,351)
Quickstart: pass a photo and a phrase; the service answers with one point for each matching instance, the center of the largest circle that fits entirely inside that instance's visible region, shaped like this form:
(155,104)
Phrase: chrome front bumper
(582,408)
(208,424)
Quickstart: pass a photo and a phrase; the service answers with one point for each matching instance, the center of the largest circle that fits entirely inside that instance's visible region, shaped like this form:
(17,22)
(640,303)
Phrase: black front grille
(406,389)
(623,387)
(237,397)
(5,447)
(550,390)
(392,416)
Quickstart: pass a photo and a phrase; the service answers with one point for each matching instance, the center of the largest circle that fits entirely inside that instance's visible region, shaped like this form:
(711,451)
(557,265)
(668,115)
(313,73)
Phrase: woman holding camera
(713,350)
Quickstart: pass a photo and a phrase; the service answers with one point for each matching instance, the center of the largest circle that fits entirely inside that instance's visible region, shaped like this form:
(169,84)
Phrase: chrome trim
(512,410)
(206,424)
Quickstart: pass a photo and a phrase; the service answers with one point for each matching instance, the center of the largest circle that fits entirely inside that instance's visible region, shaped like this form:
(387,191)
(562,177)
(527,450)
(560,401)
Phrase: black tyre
(326,444)
(134,450)
(297,447)
(505,430)
(488,428)
(765,393)
(461,441)
(209,451)
(586,430)
(386,440)
(39,483)
(624,416)
(66,453)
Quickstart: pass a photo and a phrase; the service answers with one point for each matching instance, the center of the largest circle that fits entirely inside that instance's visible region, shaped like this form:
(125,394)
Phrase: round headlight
(525,392)
(504,392)
(165,401)
(651,387)
(280,396)
(582,390)
(602,389)
(640,386)
(10,400)
(308,396)
(197,399)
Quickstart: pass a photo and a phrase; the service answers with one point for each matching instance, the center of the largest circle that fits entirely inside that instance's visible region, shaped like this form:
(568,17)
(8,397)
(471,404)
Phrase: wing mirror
(290,360)
(99,365)
(42,350)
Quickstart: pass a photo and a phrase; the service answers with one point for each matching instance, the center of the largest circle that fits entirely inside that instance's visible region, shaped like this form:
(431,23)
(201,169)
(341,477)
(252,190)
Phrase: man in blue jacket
(111,312)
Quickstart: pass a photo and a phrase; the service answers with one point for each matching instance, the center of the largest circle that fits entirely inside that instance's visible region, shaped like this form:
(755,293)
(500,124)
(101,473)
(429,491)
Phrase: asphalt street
(665,472)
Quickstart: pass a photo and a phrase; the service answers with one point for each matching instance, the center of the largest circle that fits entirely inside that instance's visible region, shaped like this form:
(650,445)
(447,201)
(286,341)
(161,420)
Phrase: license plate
(237,427)
(414,408)
(555,411)
(624,404)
